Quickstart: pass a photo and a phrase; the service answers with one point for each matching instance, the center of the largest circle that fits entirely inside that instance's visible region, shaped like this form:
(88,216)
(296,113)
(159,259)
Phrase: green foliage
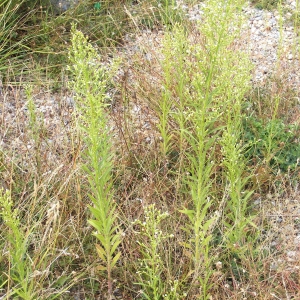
(89,83)
(205,150)
(266,4)
(32,26)
(20,264)
(203,98)
(272,141)
(150,267)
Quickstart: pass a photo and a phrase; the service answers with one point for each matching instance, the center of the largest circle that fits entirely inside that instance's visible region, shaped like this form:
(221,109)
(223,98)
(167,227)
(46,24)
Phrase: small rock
(273,266)
(60,6)
(291,255)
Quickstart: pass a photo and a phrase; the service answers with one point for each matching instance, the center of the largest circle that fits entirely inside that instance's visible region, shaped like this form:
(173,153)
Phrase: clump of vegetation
(20,269)
(274,142)
(267,4)
(12,46)
(141,178)
(34,28)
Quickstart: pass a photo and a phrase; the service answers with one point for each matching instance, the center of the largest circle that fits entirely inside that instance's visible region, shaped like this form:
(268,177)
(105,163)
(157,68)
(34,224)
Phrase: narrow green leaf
(101,268)
(115,259)
(190,213)
(114,246)
(101,252)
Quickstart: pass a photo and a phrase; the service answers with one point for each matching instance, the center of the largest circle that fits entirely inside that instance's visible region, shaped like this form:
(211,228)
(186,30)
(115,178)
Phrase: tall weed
(151,266)
(90,82)
(203,97)
(19,271)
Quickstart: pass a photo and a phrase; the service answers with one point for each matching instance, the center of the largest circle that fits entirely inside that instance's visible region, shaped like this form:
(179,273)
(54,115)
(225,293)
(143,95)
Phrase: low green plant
(89,84)
(19,270)
(151,266)
(266,4)
(272,142)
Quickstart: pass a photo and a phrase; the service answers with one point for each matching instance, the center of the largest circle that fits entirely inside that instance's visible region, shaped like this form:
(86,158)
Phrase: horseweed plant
(223,94)
(188,110)
(207,111)
(89,83)
(232,149)
(35,126)
(176,81)
(20,263)
(151,266)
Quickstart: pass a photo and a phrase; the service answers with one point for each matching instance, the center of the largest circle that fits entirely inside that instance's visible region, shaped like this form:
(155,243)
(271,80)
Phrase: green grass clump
(267,4)
(11,46)
(34,28)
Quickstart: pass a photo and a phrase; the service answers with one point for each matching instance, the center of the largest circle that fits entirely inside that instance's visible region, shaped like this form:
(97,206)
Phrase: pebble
(69,101)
